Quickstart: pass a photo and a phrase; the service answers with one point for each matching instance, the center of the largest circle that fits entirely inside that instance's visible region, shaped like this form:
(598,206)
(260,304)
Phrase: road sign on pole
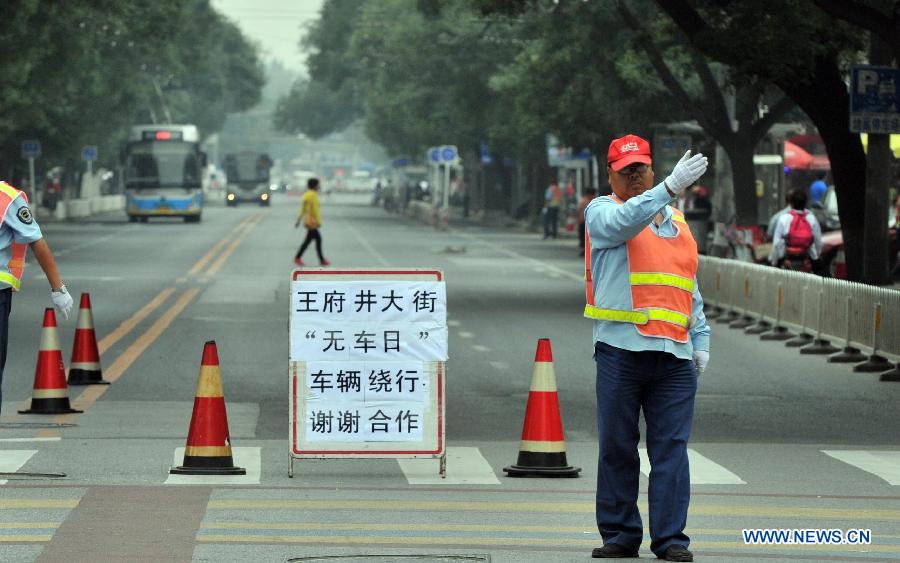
(31,149)
(89,155)
(874,104)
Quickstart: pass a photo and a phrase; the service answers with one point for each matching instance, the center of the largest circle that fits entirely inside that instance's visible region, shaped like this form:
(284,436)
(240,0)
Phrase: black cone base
(759,328)
(542,464)
(194,465)
(86,377)
(50,406)
(893,375)
(848,355)
(801,339)
(819,346)
(777,333)
(742,322)
(874,364)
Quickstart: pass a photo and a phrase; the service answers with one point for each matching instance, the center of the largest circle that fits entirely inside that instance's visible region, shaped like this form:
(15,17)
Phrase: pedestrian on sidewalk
(552,201)
(588,195)
(651,341)
(311,218)
(18,230)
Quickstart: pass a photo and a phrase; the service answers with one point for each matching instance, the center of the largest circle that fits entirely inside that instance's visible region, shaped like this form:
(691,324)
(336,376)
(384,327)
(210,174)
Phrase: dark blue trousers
(664,387)
(5,304)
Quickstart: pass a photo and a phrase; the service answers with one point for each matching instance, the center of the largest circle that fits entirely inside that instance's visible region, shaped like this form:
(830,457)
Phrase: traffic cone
(208,449)
(84,369)
(50,394)
(543,449)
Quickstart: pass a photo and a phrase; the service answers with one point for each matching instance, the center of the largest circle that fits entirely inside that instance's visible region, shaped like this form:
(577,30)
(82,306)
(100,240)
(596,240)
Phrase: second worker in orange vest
(651,342)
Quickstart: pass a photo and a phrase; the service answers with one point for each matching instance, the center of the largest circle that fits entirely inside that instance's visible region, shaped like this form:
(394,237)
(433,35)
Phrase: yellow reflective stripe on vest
(656,278)
(679,218)
(668,316)
(598,314)
(10,280)
(638,317)
(9,190)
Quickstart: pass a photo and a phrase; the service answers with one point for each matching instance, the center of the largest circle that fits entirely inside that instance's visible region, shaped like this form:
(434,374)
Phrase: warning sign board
(368,351)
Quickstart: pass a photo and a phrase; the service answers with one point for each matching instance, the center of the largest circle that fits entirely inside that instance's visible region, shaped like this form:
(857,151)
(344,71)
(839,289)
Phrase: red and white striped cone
(542,452)
(208,449)
(84,369)
(50,394)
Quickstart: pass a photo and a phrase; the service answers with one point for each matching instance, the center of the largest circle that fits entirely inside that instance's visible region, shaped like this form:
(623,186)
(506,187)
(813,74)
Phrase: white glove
(62,301)
(701,358)
(686,172)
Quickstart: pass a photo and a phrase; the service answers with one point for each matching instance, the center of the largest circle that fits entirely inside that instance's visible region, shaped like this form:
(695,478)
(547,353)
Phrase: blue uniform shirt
(611,225)
(20,226)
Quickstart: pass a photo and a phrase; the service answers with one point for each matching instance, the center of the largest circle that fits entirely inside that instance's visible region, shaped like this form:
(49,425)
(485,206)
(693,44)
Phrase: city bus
(163,172)
(248,175)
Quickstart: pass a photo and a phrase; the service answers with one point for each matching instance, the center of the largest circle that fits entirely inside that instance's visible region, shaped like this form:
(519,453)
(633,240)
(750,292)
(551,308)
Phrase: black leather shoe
(676,553)
(614,551)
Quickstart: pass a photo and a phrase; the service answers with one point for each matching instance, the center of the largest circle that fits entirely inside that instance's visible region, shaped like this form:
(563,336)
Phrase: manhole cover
(36,425)
(435,558)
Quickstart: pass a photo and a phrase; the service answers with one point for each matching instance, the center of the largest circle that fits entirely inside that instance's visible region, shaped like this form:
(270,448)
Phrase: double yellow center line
(216,258)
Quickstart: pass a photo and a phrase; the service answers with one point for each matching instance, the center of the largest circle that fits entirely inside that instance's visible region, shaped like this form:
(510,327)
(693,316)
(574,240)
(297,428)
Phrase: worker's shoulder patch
(25,216)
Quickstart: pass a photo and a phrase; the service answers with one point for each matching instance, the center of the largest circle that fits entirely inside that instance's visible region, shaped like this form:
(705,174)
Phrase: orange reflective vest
(16,264)
(662,273)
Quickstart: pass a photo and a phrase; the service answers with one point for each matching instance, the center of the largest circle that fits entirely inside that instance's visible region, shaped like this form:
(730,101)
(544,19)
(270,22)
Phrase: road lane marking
(248,458)
(453,322)
(22,503)
(13,460)
(480,348)
(499,365)
(217,265)
(365,244)
(704,471)
(464,334)
(222,242)
(465,466)
(884,464)
(33,439)
(123,329)
(537,264)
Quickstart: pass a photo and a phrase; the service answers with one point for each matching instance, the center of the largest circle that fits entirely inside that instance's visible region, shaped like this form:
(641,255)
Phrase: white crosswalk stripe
(704,471)
(884,464)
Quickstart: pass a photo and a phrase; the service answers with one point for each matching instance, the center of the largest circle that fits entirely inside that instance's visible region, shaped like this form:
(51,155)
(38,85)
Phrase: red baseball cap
(628,150)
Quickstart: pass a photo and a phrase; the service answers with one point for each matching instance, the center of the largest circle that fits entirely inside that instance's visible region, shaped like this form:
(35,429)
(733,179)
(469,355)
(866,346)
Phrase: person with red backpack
(797,233)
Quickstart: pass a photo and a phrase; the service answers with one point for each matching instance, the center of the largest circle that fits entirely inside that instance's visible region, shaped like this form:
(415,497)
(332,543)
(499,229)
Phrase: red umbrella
(796,157)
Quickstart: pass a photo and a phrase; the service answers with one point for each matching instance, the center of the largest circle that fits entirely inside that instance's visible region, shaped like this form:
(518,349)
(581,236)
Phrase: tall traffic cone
(208,449)
(50,395)
(543,449)
(84,369)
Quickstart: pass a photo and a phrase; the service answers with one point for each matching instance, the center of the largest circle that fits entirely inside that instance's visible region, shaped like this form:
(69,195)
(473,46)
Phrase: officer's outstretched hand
(686,172)
(701,359)
(62,301)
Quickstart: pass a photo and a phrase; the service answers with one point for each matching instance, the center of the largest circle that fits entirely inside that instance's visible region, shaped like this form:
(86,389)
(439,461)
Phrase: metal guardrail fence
(851,314)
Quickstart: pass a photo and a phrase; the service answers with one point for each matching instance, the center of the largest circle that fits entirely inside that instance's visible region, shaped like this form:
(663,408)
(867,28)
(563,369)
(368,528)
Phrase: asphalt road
(780,440)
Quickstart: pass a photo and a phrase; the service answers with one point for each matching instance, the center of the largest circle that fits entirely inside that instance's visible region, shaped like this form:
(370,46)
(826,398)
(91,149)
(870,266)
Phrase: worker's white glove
(62,301)
(701,358)
(686,172)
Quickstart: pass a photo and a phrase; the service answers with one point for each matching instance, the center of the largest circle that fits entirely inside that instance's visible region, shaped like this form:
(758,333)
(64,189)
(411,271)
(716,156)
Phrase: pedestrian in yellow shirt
(312,220)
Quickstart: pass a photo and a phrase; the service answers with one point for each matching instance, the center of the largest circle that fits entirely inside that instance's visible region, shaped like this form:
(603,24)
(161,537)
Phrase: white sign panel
(367,352)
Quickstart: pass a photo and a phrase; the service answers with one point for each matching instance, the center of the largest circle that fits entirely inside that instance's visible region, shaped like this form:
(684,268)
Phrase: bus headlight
(230,197)
(264,197)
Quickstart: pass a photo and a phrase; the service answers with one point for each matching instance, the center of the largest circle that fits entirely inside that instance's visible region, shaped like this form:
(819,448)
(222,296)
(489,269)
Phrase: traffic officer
(18,229)
(651,341)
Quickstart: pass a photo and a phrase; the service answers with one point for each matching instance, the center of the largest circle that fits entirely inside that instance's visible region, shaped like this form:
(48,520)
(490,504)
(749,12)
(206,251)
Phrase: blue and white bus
(163,172)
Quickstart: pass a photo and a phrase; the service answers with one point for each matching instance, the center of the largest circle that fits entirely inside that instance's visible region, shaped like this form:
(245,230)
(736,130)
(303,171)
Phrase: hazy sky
(276,25)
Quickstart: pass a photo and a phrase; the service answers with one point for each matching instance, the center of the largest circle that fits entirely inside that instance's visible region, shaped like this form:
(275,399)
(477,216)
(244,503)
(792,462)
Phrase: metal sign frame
(433,444)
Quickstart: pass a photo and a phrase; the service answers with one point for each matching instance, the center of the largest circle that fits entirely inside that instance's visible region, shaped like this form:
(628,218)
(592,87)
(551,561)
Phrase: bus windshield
(168,164)
(247,168)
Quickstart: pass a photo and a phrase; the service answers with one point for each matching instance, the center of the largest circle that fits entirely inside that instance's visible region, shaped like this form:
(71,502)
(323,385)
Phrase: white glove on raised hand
(686,172)
(62,301)
(701,358)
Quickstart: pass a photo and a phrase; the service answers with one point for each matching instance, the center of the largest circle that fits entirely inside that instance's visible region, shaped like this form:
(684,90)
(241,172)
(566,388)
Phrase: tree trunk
(746,204)
(826,104)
